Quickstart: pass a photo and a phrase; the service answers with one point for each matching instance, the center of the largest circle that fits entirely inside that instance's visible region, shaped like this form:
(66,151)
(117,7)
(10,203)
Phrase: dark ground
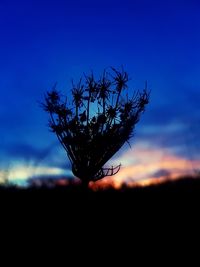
(181,193)
(146,218)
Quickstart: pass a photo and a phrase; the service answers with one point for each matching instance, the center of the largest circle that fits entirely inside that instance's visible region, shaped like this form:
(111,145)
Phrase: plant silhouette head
(97,122)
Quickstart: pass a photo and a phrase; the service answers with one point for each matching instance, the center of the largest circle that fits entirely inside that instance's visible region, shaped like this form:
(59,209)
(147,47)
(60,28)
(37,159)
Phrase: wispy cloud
(144,163)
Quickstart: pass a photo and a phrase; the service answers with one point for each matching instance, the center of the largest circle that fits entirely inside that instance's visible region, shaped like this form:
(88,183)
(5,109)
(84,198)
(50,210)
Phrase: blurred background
(43,42)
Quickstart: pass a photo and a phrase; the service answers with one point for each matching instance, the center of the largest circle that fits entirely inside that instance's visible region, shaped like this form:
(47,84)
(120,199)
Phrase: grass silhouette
(135,207)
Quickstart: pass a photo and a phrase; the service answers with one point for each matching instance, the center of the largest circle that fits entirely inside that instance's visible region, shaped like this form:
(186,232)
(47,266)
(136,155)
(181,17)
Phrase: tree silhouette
(96,122)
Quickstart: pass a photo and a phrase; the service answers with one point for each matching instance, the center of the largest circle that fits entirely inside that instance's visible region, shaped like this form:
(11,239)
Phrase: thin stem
(118,96)
(85,185)
(77,112)
(88,107)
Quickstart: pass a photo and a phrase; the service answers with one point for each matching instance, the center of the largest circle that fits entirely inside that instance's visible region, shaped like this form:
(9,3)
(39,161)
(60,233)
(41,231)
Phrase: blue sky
(43,42)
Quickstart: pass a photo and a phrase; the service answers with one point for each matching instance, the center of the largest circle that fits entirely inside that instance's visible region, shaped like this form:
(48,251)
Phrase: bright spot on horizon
(23,173)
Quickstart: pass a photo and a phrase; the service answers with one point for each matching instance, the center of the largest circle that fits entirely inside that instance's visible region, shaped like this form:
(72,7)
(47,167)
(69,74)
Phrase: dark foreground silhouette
(128,211)
(183,189)
(142,218)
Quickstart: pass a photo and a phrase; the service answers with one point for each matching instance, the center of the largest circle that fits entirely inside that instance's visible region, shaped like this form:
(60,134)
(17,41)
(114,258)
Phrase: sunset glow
(141,166)
(156,42)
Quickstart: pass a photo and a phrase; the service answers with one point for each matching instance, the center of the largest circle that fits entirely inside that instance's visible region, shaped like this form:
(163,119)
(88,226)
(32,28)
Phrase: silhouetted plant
(96,123)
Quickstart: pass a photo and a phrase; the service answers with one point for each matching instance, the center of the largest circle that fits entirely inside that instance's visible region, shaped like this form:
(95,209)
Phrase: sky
(43,42)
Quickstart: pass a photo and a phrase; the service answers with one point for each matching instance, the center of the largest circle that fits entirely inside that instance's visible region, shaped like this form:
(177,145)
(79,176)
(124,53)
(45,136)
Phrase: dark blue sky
(43,42)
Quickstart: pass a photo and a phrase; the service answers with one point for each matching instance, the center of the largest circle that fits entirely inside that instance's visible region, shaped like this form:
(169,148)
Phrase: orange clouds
(144,165)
